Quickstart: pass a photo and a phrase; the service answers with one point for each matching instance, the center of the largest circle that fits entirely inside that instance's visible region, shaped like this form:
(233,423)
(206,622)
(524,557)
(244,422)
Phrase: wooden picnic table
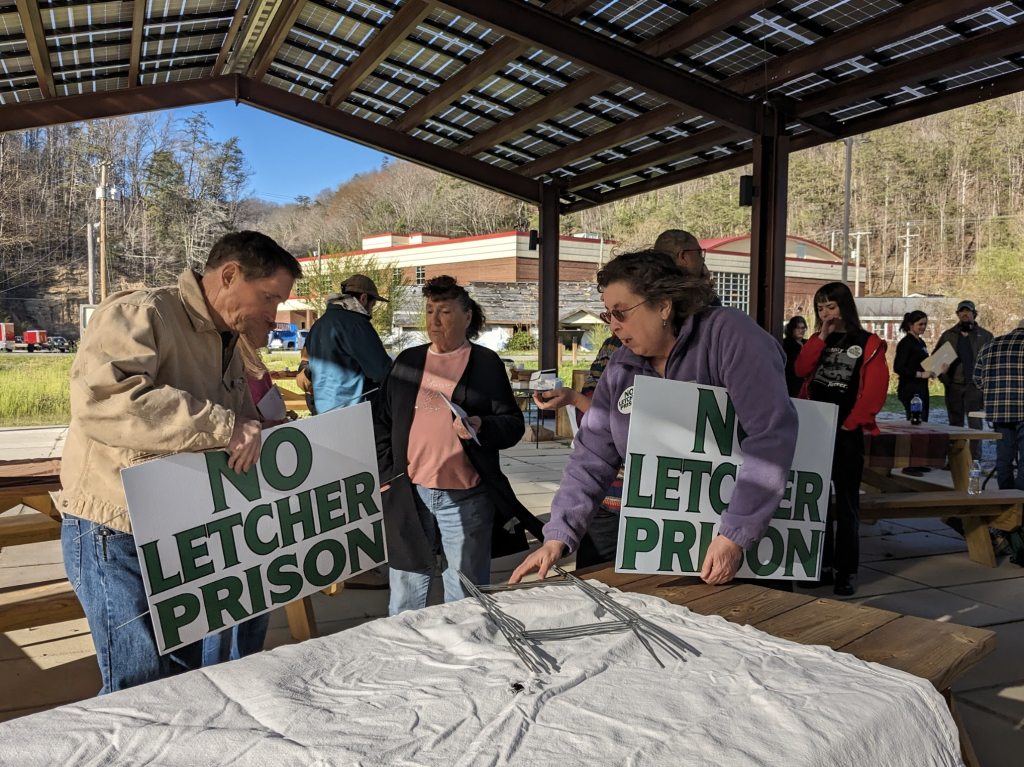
(894,495)
(936,651)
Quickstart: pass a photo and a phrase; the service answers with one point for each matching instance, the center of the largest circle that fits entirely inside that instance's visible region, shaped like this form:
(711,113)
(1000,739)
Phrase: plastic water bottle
(974,485)
(916,406)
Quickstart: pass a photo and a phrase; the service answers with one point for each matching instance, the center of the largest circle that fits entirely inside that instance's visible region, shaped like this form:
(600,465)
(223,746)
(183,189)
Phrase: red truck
(31,339)
(7,336)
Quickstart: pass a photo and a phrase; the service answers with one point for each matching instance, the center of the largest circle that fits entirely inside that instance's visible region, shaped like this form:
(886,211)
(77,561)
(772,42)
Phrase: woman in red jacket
(845,365)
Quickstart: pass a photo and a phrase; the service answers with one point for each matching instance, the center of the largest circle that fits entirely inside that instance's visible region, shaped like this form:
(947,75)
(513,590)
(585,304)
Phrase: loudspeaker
(746,191)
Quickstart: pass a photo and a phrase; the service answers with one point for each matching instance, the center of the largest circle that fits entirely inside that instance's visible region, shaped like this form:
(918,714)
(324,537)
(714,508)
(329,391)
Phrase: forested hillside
(958,179)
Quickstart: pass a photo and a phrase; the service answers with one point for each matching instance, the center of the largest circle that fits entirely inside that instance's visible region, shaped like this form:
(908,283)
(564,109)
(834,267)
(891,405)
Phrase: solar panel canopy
(600,99)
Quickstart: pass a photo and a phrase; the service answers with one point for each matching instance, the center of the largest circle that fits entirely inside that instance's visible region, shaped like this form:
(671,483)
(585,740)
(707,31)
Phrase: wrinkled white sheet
(435,687)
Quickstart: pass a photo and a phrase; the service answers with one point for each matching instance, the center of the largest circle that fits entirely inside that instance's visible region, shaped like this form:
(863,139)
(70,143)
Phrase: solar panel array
(89,45)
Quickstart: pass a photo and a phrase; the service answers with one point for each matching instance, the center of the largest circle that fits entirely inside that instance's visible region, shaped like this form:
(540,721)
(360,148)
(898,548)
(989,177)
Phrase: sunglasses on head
(618,314)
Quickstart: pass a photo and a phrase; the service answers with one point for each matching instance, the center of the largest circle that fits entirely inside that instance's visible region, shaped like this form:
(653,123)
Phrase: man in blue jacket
(346,356)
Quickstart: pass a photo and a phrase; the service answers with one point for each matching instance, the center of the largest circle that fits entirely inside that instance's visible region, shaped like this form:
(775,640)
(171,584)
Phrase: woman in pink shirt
(445,489)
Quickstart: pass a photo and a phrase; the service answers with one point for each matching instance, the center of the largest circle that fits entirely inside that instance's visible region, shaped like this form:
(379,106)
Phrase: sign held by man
(683,455)
(219,547)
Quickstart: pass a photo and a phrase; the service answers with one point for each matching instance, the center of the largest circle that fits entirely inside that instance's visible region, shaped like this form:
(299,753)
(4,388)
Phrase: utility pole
(90,245)
(856,274)
(906,260)
(846,201)
(103,231)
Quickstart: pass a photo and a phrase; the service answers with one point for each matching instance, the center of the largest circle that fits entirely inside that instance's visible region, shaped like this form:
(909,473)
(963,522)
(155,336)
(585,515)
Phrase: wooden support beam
(547,276)
(875,33)
(707,21)
(768,224)
(606,139)
(32,24)
(988,45)
(478,70)
(673,150)
(277,30)
(138,28)
(610,58)
(385,41)
(229,39)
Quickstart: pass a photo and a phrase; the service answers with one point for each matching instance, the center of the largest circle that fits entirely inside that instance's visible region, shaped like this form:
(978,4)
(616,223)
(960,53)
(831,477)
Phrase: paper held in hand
(684,454)
(461,415)
(217,548)
(271,405)
(944,355)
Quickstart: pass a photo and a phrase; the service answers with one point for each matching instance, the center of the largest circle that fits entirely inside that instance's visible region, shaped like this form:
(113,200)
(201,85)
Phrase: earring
(664,323)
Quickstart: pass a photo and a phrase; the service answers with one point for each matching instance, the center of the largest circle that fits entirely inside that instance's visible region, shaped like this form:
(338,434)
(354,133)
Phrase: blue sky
(288,159)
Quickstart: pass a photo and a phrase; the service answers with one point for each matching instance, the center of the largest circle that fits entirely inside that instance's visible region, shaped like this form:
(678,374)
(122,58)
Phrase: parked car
(60,344)
(284,337)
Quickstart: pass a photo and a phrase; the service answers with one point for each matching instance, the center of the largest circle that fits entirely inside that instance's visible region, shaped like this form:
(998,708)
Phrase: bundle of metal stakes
(525,642)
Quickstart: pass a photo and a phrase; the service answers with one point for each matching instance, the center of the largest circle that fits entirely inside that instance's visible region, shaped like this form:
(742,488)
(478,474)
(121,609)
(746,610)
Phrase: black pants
(961,399)
(842,547)
(602,538)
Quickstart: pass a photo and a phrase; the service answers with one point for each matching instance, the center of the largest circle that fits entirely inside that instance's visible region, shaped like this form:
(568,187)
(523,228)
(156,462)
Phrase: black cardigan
(484,391)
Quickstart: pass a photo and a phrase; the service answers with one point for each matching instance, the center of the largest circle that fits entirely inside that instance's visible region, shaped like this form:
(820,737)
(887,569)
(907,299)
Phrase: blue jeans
(245,638)
(103,567)
(1009,450)
(462,520)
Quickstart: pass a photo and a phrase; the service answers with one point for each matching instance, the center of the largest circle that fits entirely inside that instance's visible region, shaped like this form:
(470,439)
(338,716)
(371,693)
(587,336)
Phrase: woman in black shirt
(792,343)
(911,351)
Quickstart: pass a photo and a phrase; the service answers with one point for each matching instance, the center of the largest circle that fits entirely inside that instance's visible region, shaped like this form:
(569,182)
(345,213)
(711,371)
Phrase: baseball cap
(359,283)
(966,305)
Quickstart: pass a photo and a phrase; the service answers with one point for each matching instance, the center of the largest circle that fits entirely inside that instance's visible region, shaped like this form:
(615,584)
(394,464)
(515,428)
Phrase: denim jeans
(462,520)
(1009,451)
(103,567)
(242,639)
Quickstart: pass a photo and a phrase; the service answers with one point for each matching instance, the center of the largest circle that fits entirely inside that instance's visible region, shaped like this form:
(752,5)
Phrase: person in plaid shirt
(999,373)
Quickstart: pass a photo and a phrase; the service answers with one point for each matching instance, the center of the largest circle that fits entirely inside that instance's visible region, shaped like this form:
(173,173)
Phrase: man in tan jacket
(158,373)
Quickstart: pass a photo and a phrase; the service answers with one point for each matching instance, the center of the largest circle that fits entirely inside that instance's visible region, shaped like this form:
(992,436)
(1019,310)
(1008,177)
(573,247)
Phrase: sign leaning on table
(684,453)
(218,548)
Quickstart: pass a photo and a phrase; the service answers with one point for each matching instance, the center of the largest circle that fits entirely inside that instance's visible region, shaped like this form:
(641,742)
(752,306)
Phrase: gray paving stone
(1004,666)
(940,605)
(908,544)
(949,570)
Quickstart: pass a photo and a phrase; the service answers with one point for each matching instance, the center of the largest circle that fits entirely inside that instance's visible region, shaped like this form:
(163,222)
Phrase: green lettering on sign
(774,537)
(311,569)
(220,595)
(328,499)
(189,553)
(224,527)
(252,537)
(696,470)
(248,484)
(359,495)
(290,579)
(360,541)
(722,426)
(797,548)
(269,455)
(671,548)
(158,582)
(707,534)
(809,487)
(175,613)
(722,471)
(288,519)
(634,544)
(254,580)
(663,482)
(633,496)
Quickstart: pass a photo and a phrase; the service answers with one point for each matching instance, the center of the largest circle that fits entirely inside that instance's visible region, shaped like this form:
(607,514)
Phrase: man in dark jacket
(346,356)
(962,394)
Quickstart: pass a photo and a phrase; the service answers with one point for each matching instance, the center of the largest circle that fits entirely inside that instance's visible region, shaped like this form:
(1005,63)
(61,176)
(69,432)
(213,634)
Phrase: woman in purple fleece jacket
(669,330)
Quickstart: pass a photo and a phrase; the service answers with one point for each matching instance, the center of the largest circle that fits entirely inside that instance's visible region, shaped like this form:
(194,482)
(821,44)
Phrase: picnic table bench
(938,652)
(895,496)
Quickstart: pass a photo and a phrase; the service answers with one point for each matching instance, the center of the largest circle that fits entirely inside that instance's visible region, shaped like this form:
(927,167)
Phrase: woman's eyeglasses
(618,314)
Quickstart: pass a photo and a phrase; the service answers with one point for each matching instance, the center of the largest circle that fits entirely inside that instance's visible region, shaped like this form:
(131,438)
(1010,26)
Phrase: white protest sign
(683,457)
(217,547)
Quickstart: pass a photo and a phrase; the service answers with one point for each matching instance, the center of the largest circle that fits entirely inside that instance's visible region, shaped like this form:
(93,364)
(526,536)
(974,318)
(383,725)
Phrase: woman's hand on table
(720,563)
(540,560)
(462,431)
(555,399)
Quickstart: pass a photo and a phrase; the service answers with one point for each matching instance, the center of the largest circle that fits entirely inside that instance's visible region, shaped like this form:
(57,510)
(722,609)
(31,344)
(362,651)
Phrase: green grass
(35,389)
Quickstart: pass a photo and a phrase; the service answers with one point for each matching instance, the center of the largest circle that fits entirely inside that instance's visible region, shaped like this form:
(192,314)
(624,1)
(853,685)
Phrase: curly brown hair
(655,276)
(445,288)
